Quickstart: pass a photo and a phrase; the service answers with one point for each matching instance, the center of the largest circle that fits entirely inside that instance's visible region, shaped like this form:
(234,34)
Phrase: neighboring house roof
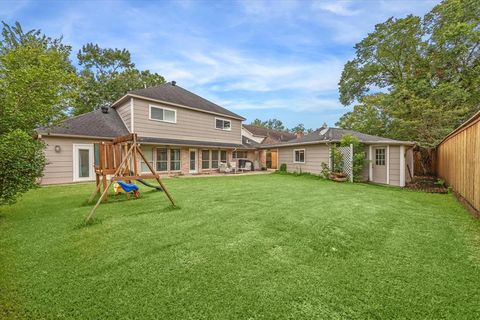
(192,143)
(335,135)
(172,93)
(275,135)
(91,124)
(249,143)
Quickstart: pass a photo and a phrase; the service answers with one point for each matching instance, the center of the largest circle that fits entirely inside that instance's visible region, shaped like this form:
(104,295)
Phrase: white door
(379,165)
(83,162)
(192,156)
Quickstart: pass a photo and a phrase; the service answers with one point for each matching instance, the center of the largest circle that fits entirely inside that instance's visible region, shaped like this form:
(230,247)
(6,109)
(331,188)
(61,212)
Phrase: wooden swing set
(119,160)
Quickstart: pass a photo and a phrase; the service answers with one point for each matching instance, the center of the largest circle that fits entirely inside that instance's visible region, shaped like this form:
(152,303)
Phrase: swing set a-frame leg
(156,177)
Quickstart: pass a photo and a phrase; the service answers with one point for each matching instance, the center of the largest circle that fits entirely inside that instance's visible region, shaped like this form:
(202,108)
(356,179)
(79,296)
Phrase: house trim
(131,116)
(370,164)
(388,163)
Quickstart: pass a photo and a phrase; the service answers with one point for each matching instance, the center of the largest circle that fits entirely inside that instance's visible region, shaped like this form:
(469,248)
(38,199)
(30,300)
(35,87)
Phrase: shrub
(325,172)
(21,164)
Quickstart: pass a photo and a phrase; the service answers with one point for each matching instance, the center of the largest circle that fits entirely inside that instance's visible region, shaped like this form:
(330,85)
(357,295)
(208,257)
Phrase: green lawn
(244,247)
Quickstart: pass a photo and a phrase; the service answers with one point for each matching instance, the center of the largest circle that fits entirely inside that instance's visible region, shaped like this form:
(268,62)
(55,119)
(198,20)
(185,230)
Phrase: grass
(248,247)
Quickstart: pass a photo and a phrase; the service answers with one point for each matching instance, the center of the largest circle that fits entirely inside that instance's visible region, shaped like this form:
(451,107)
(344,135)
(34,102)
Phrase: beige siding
(124,113)
(191,125)
(314,156)
(395,165)
(59,168)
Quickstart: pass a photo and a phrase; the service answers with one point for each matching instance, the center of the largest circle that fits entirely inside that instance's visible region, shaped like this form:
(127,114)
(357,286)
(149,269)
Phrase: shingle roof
(178,95)
(336,134)
(199,143)
(249,143)
(94,124)
(274,134)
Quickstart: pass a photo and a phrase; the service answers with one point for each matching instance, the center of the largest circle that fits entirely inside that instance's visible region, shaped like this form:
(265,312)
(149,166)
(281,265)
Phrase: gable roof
(336,134)
(172,93)
(274,134)
(91,124)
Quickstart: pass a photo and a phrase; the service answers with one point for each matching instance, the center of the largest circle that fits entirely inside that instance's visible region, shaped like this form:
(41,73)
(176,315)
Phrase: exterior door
(274,160)
(379,166)
(192,157)
(83,162)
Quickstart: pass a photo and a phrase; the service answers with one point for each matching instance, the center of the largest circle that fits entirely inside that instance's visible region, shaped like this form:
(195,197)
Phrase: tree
(106,75)
(274,124)
(36,79)
(21,164)
(416,79)
(368,116)
(298,128)
(37,82)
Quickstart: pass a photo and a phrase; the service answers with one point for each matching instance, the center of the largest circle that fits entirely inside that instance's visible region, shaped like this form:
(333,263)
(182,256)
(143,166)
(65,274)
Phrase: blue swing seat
(128,187)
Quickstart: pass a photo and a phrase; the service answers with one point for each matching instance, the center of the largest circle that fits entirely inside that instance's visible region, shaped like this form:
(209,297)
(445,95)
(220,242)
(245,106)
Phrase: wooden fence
(458,160)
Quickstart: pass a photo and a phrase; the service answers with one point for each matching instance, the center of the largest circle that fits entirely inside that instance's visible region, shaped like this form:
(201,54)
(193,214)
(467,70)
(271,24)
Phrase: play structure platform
(117,161)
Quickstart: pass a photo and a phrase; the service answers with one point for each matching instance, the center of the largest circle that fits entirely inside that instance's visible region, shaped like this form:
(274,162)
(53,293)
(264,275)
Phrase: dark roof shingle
(94,124)
(178,95)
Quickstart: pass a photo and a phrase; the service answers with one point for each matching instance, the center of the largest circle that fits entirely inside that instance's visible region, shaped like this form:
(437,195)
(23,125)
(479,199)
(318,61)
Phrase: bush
(283,167)
(325,172)
(21,164)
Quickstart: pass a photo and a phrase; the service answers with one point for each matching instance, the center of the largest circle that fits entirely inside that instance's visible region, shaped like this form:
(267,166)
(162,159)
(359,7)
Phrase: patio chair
(224,167)
(247,167)
(233,166)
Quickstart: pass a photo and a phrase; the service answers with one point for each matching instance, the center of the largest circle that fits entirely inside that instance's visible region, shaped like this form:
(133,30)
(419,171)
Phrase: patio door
(192,163)
(83,162)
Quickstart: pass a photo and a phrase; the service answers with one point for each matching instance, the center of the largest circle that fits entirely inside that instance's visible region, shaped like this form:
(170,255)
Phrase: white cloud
(342,8)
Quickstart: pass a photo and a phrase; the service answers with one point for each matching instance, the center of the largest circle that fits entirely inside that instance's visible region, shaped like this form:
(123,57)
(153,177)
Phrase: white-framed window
(223,124)
(223,156)
(380,156)
(174,159)
(205,159)
(239,154)
(162,159)
(299,156)
(148,153)
(162,114)
(215,159)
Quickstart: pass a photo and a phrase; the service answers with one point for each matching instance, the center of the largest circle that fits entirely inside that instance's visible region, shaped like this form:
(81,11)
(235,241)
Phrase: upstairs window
(299,156)
(163,114)
(223,124)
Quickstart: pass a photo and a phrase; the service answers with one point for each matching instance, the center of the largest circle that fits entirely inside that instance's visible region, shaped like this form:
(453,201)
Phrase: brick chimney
(299,134)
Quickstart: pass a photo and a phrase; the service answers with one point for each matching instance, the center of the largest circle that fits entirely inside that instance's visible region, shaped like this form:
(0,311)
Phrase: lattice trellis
(347,153)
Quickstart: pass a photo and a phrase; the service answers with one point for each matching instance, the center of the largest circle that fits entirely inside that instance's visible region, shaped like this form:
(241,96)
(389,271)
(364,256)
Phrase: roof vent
(104,108)
(174,83)
(323,129)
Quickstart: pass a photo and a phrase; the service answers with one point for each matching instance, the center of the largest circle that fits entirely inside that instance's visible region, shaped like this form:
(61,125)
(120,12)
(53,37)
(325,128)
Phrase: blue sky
(261,59)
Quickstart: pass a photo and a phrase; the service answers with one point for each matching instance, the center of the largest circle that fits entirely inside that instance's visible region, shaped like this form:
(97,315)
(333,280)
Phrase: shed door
(379,165)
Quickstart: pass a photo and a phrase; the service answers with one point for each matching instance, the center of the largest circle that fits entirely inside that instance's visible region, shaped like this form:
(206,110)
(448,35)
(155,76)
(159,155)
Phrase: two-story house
(183,133)
(179,131)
